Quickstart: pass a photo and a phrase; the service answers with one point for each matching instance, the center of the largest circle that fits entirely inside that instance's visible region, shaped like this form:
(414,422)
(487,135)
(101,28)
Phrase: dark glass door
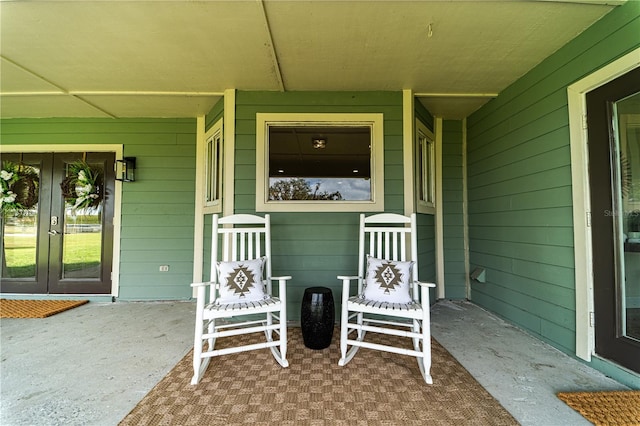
(613,118)
(60,245)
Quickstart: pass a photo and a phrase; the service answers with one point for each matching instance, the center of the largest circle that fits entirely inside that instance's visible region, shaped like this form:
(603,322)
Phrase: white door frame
(576,93)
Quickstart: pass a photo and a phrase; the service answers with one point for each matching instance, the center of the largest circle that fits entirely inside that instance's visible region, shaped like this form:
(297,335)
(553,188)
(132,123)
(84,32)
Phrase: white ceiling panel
(46,107)
(174,58)
(163,106)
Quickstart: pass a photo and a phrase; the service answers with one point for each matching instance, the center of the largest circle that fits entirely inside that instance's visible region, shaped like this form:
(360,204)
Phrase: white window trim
(576,94)
(423,206)
(375,120)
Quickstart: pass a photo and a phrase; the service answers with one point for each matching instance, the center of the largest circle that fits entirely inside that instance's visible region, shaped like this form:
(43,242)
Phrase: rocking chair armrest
(202,284)
(348,277)
(424,284)
(346,285)
(284,277)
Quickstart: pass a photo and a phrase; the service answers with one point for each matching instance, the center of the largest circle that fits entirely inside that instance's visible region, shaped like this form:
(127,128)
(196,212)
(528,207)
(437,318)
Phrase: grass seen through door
(82,251)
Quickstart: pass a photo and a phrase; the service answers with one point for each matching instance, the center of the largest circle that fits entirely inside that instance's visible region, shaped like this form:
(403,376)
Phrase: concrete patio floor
(93,364)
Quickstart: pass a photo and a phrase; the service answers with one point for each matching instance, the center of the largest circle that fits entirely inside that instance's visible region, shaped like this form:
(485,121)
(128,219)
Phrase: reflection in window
(324,163)
(627,210)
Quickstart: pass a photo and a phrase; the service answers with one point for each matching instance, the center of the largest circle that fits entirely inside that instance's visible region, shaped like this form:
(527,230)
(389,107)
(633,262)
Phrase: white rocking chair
(389,300)
(241,287)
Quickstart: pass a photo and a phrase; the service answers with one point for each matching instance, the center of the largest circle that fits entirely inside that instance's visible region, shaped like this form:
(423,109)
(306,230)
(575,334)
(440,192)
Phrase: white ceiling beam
(272,47)
(455,95)
(589,2)
(111,93)
(62,90)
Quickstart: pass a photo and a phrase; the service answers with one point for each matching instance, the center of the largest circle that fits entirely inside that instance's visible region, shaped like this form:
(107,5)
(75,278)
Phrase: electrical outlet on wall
(164,268)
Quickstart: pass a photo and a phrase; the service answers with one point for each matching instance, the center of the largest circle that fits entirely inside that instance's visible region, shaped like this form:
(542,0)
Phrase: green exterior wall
(216,113)
(519,185)
(157,209)
(423,115)
(426,222)
(314,248)
(452,208)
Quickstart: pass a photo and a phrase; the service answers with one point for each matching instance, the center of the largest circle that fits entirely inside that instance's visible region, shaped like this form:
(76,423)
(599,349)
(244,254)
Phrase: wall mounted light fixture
(125,169)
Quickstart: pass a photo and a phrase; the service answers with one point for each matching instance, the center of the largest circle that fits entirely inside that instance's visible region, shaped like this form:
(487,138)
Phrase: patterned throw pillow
(387,280)
(241,281)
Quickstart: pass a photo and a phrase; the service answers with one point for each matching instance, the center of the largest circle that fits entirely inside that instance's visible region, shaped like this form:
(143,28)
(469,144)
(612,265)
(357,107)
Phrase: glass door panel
(24,248)
(627,181)
(20,241)
(82,243)
(83,234)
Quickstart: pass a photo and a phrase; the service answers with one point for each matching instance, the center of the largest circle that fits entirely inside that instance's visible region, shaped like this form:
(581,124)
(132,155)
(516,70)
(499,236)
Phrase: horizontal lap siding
(426,222)
(157,209)
(216,113)
(519,185)
(314,248)
(453,226)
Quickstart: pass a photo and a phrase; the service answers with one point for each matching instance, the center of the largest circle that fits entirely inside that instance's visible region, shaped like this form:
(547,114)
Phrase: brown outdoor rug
(606,408)
(375,388)
(13,308)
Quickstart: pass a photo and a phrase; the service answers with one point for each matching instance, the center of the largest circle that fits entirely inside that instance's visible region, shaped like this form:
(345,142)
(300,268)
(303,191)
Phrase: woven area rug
(375,388)
(13,308)
(606,408)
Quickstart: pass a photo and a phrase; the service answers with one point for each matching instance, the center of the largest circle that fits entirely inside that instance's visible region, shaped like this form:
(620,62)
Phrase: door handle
(53,232)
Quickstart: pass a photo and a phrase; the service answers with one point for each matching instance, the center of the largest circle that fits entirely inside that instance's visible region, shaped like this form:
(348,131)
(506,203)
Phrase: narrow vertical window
(425,165)
(213,181)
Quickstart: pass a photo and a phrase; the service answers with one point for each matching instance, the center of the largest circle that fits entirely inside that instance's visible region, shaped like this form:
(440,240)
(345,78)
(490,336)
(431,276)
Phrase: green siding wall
(315,247)
(423,114)
(426,222)
(452,208)
(157,209)
(519,174)
(216,113)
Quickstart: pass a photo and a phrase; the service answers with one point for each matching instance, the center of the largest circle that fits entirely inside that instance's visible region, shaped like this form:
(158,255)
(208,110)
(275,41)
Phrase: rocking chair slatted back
(391,242)
(242,241)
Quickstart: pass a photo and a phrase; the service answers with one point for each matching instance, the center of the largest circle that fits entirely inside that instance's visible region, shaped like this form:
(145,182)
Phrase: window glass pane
(627,201)
(213,169)
(209,162)
(82,239)
(426,169)
(331,163)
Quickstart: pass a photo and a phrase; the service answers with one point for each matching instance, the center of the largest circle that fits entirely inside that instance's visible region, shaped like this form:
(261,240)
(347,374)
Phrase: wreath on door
(82,188)
(19,188)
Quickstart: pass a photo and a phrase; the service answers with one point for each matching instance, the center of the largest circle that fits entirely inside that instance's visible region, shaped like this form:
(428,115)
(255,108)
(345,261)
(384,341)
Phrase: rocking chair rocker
(389,300)
(240,299)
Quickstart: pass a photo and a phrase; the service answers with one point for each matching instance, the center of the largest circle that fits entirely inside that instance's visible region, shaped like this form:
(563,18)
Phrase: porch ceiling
(176,58)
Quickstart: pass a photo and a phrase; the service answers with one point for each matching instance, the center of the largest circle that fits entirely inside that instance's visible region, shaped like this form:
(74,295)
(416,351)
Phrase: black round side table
(317,317)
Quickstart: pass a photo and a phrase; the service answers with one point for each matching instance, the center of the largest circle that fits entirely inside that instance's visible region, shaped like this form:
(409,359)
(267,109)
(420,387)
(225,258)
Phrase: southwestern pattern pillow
(241,281)
(387,280)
